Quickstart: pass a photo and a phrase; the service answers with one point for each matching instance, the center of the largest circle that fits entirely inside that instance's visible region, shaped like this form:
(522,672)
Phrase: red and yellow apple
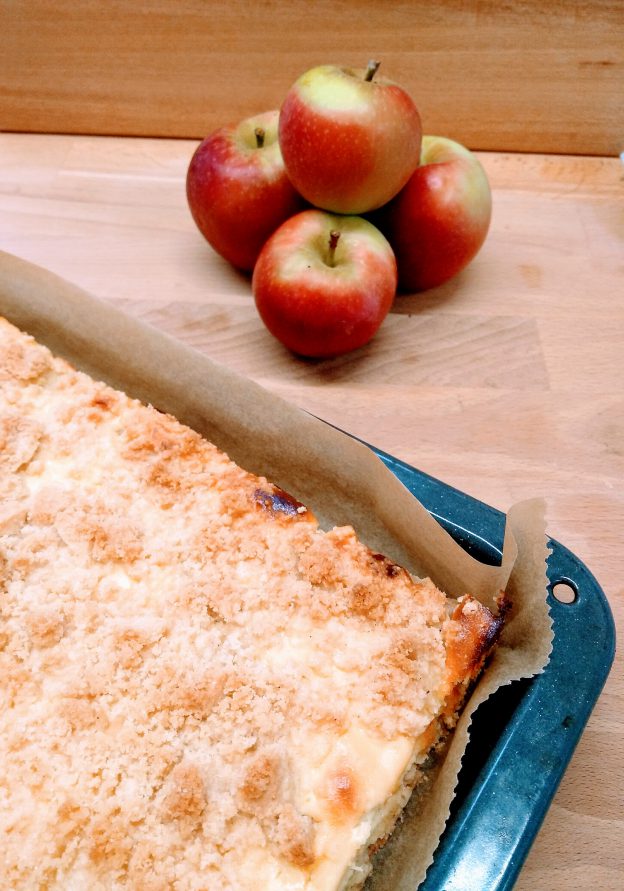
(439,220)
(323,284)
(238,190)
(350,141)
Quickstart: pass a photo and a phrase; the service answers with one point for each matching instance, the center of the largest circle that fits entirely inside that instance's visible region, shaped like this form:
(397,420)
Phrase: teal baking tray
(523,737)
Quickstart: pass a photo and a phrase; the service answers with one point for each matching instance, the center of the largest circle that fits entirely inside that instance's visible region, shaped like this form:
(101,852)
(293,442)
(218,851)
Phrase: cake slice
(199,687)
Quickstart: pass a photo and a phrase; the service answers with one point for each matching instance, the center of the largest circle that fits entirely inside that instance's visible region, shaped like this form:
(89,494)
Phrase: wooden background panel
(522,75)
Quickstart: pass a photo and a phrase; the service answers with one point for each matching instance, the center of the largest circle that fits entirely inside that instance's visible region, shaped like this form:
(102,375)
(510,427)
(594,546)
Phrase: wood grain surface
(507,382)
(523,75)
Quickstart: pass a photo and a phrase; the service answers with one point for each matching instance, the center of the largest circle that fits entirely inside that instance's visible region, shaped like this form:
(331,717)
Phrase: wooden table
(507,382)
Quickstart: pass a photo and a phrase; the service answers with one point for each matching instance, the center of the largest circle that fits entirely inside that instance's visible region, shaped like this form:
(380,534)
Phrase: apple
(323,284)
(238,190)
(350,141)
(439,220)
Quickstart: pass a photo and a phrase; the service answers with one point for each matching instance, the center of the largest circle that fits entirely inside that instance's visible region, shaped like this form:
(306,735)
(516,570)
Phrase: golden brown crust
(199,688)
(470,638)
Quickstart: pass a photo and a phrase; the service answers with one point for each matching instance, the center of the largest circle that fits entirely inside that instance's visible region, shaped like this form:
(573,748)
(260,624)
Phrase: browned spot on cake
(368,600)
(403,654)
(293,837)
(145,872)
(154,435)
(71,817)
(199,598)
(129,646)
(95,406)
(82,714)
(260,777)
(191,693)
(393,683)
(45,626)
(161,760)
(12,674)
(172,456)
(108,841)
(34,549)
(162,473)
(237,503)
(318,562)
(71,812)
(162,435)
(341,793)
(109,535)
(332,717)
(185,795)
(105,400)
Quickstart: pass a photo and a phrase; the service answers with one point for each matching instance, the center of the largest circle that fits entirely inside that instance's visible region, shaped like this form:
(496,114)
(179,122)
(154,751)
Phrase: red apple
(350,141)
(237,188)
(323,284)
(439,220)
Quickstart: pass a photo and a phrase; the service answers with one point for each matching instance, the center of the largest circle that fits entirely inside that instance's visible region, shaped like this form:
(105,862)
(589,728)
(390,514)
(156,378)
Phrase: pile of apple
(284,194)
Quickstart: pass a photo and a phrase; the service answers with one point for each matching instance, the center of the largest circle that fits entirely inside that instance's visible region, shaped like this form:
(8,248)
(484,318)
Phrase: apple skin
(239,193)
(315,308)
(439,220)
(349,145)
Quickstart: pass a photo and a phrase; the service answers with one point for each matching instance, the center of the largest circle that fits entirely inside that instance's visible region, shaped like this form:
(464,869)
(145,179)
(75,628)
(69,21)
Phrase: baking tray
(523,737)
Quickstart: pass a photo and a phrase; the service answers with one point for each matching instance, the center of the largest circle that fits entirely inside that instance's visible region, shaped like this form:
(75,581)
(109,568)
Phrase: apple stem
(334,236)
(371,69)
(260,134)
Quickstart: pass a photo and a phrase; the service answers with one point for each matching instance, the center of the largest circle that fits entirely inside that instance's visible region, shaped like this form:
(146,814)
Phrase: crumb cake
(199,687)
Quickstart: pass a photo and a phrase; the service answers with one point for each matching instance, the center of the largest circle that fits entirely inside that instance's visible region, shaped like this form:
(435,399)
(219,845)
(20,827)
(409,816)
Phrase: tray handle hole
(564,592)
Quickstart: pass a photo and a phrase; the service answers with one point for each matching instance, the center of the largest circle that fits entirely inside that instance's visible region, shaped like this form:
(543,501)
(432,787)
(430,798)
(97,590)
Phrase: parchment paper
(342,481)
